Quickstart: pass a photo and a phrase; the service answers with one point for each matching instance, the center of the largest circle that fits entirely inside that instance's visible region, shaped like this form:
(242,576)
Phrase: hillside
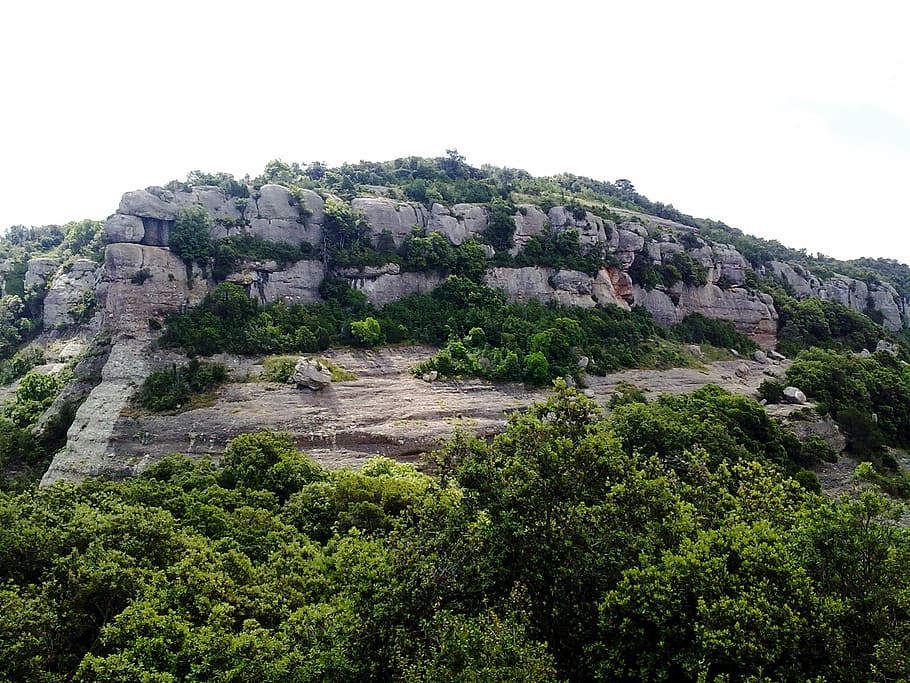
(318,253)
(417,421)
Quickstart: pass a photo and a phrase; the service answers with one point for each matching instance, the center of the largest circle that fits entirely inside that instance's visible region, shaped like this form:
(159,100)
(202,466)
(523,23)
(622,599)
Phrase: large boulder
(567,287)
(385,288)
(530,221)
(67,291)
(794,395)
(279,216)
(797,283)
(123,228)
(311,374)
(39,272)
(152,202)
(387,215)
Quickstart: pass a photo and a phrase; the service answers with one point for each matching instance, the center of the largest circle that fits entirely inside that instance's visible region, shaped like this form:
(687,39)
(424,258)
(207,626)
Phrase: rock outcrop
(69,290)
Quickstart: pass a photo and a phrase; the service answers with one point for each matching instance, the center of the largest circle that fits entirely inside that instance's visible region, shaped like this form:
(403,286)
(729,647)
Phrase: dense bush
(190,238)
(227,320)
(823,323)
(174,387)
(557,551)
(869,396)
(562,249)
(696,328)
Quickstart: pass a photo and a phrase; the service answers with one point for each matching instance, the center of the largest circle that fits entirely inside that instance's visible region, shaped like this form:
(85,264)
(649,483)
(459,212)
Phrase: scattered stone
(429,376)
(589,393)
(760,357)
(774,355)
(583,362)
(734,352)
(742,370)
(885,346)
(794,395)
(311,374)
(570,382)
(695,350)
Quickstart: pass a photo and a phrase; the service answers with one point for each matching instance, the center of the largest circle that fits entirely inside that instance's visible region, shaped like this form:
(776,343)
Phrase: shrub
(190,238)
(367,332)
(278,368)
(172,388)
(771,391)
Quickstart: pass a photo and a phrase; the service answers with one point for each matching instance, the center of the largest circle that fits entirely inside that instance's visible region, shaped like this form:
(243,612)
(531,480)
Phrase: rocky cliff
(141,282)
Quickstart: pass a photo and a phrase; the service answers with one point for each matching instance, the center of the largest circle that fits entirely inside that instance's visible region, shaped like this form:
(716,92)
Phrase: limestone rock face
(311,375)
(39,272)
(851,293)
(750,313)
(129,305)
(568,287)
(659,304)
(66,291)
(610,287)
(591,229)
(461,222)
(297,284)
(277,216)
(218,205)
(798,284)
(152,202)
(384,289)
(530,222)
(885,300)
(123,228)
(383,214)
(727,263)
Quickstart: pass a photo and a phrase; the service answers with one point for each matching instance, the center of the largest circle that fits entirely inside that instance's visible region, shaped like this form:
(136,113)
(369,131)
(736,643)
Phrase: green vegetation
(517,342)
(822,323)
(180,387)
(562,249)
(23,451)
(568,548)
(696,328)
(876,385)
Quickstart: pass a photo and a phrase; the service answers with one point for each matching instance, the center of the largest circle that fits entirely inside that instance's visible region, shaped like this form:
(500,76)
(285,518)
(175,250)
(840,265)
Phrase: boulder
(884,345)
(774,355)
(387,215)
(742,371)
(67,291)
(123,228)
(530,221)
(760,357)
(794,395)
(798,284)
(38,273)
(311,375)
(152,202)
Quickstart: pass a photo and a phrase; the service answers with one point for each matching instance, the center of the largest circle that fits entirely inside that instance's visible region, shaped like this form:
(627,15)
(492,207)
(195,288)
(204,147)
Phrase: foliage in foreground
(558,551)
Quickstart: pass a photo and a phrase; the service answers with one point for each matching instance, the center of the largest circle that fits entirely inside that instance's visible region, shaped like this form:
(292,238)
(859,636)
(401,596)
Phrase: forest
(663,541)
(682,538)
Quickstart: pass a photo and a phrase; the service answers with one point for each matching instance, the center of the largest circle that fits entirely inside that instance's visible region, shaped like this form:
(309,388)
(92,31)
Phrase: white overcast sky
(789,120)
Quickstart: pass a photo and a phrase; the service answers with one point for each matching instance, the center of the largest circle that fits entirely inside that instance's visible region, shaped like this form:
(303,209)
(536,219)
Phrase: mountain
(101,296)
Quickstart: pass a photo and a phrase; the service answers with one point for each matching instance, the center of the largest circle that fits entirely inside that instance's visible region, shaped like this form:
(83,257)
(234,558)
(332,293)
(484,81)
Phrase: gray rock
(123,228)
(38,273)
(884,345)
(583,363)
(774,355)
(387,215)
(695,350)
(798,284)
(742,371)
(152,202)
(311,375)
(794,395)
(630,241)
(67,291)
(760,357)
(589,393)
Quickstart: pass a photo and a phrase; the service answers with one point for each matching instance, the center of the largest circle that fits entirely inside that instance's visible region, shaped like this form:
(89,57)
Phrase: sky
(789,120)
